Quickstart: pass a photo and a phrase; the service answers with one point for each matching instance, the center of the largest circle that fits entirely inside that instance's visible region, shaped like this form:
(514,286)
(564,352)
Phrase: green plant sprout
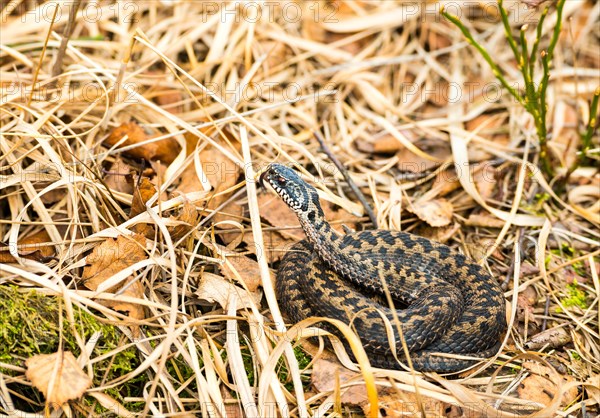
(533,99)
(583,156)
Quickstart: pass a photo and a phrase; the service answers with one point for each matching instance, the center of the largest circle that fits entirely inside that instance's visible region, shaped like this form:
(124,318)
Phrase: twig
(62,49)
(546,310)
(39,66)
(359,195)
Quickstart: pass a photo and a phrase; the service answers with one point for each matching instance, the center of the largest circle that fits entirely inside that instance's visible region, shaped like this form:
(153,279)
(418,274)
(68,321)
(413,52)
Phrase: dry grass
(370,75)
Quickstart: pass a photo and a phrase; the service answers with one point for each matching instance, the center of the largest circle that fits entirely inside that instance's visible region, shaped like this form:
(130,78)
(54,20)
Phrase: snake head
(301,197)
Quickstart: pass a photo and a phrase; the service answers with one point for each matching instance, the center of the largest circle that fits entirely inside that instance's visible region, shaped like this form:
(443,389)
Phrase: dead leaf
(529,270)
(479,247)
(325,374)
(142,193)
(170,100)
(278,214)
(445,182)
(539,387)
(437,40)
(526,302)
(111,257)
(132,310)
(413,163)
(246,268)
(221,173)
(215,288)
(118,177)
(165,150)
(233,408)
(62,370)
(400,404)
(52,196)
(29,247)
(392,402)
(338,217)
(384,144)
(436,212)
(551,338)
(275,243)
(484,220)
(188,215)
(485,181)
(489,126)
(593,388)
(441,234)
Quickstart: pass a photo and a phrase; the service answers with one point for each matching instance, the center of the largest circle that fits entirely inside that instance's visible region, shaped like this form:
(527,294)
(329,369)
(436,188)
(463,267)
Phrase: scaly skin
(453,305)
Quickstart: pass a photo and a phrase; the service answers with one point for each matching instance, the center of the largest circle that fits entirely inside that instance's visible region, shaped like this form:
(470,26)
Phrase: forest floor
(138,255)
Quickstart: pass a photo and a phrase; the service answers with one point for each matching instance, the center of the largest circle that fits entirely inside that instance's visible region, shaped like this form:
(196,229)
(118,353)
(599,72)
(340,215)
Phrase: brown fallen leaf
(278,214)
(383,144)
(484,220)
(479,247)
(63,372)
(529,270)
(30,247)
(489,126)
(436,212)
(540,387)
(440,234)
(326,373)
(221,173)
(338,218)
(275,243)
(413,163)
(392,402)
(526,302)
(188,215)
(142,192)
(165,150)
(593,388)
(246,268)
(52,196)
(170,100)
(215,288)
(132,310)
(485,181)
(111,257)
(118,177)
(400,404)
(445,182)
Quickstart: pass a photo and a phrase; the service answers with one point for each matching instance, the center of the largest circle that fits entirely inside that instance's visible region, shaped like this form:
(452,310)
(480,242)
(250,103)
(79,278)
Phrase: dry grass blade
(188,101)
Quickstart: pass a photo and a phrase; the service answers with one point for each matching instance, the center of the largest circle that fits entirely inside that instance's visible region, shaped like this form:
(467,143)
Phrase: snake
(447,312)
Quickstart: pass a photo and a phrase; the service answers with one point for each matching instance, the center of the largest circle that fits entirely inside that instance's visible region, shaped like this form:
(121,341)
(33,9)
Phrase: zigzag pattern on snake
(449,303)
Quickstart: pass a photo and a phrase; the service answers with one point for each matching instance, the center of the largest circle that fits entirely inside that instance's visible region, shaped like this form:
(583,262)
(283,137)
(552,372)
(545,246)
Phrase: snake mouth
(261,178)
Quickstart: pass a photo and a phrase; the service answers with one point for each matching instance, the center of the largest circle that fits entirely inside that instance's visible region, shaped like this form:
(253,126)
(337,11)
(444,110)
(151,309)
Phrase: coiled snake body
(450,304)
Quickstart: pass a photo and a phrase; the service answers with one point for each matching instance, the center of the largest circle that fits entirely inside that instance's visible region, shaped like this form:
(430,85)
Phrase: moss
(29,325)
(303,360)
(576,297)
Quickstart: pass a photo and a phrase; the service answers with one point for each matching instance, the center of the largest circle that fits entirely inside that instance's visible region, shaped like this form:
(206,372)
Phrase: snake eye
(281,180)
